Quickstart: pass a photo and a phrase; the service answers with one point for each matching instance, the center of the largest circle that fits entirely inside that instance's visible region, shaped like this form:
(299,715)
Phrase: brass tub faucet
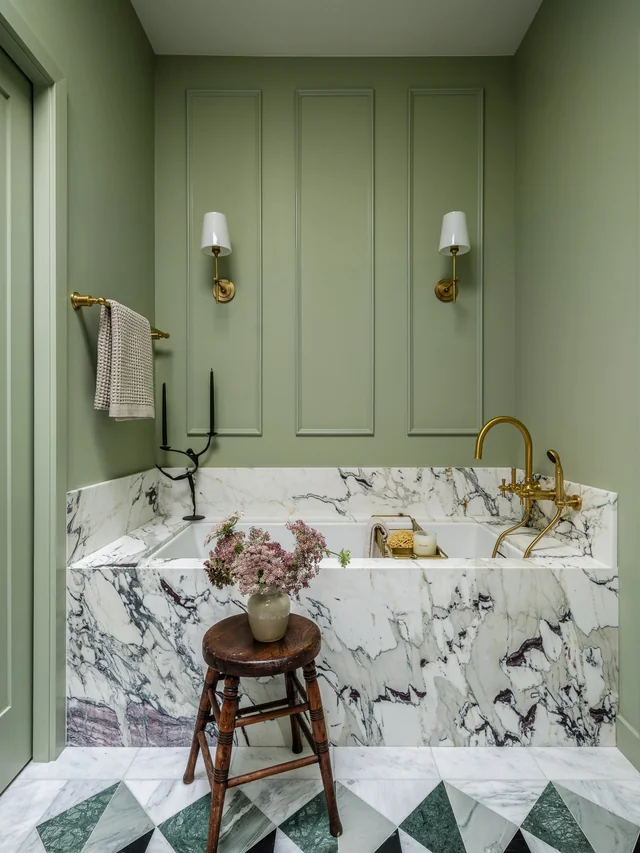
(528,491)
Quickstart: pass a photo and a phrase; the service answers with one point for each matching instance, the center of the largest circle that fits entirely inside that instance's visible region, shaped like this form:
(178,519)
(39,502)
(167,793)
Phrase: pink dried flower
(223,528)
(256,563)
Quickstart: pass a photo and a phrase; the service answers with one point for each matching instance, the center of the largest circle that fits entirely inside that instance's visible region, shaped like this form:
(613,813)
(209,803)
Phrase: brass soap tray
(404,553)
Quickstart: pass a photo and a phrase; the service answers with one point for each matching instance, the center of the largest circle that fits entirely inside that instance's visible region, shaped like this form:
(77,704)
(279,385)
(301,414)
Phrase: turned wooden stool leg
(322,746)
(226,729)
(296,740)
(204,712)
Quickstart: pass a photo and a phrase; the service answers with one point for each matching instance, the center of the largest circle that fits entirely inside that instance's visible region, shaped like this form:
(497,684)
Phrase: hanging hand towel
(124,380)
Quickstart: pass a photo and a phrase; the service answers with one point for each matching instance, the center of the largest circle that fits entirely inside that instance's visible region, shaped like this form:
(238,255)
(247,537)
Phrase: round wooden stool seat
(229,647)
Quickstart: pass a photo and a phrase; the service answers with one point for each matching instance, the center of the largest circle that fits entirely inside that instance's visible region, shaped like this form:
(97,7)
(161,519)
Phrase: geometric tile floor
(404,800)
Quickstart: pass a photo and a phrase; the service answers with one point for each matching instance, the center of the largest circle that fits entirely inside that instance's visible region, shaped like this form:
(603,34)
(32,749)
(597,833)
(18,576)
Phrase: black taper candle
(164,414)
(211,405)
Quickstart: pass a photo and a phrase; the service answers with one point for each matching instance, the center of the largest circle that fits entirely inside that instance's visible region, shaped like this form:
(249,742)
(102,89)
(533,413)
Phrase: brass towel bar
(79,301)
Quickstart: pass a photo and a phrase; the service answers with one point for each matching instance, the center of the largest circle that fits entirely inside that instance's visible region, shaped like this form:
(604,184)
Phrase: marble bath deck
(390,800)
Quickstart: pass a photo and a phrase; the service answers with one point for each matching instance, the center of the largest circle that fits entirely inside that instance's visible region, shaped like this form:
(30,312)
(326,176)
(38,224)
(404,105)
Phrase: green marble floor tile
(122,822)
(606,832)
(433,824)
(551,821)
(309,827)
(69,831)
(187,830)
(243,826)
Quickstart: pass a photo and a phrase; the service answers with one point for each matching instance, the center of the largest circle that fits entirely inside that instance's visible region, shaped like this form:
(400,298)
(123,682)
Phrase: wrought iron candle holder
(194,457)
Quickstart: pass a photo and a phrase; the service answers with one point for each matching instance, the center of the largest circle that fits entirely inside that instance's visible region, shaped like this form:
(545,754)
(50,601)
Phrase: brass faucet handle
(573,502)
(503,488)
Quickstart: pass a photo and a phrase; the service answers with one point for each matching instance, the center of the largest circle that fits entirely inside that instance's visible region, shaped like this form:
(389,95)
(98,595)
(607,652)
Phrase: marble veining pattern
(382,811)
(102,513)
(480,657)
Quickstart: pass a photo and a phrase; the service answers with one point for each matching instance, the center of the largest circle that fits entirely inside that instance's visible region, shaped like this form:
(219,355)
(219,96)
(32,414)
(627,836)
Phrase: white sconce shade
(454,233)
(215,234)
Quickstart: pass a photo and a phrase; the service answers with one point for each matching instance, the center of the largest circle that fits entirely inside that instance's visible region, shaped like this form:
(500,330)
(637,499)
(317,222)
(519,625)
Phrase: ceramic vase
(268,614)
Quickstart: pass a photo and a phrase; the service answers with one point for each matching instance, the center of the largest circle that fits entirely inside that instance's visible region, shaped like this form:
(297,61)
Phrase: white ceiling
(336,27)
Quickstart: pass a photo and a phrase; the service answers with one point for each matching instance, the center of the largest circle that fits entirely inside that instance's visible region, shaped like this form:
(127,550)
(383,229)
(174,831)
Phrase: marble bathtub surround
(473,656)
(100,514)
(385,808)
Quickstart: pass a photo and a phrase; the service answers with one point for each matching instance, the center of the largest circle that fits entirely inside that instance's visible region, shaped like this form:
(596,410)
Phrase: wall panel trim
(477,251)
(191,96)
(367,429)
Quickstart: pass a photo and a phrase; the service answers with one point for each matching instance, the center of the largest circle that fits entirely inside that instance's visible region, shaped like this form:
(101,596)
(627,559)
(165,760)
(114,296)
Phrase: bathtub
(458,539)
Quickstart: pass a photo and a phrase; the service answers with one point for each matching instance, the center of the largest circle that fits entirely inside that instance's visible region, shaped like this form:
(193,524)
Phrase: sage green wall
(577,238)
(318,359)
(109,65)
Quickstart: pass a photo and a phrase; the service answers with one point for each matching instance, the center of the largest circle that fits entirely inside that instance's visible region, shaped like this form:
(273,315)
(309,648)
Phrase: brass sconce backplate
(223,290)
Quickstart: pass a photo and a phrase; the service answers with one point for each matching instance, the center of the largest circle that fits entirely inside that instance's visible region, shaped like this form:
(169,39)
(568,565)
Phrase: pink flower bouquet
(256,563)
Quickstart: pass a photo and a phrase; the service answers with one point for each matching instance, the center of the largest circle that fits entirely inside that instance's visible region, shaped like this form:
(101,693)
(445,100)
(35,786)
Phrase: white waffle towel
(124,376)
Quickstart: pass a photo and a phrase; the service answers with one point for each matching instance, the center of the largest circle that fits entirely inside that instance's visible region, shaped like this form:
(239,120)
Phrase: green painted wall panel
(336,275)
(109,65)
(335,263)
(446,169)
(578,299)
(224,169)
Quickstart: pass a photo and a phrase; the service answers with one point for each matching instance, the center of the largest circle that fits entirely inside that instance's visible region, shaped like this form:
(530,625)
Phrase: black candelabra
(190,473)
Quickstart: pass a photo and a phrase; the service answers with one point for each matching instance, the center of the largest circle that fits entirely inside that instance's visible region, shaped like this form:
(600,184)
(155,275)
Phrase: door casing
(22,45)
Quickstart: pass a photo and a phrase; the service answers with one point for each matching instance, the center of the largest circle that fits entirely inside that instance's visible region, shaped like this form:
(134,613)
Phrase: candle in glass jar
(425,544)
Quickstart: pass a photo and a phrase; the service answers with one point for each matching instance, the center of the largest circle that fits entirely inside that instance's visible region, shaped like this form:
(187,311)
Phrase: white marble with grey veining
(100,514)
(411,656)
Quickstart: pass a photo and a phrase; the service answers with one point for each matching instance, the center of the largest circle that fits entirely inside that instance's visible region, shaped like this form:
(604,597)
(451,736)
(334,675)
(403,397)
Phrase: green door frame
(19,41)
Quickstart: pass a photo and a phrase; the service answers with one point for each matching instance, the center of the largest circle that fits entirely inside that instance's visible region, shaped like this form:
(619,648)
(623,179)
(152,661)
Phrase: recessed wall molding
(335,193)
(445,172)
(224,173)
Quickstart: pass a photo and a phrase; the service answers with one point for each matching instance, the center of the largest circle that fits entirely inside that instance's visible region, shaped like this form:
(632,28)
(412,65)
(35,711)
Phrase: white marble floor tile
(280,799)
(536,845)
(409,844)
(21,808)
(393,798)
(84,763)
(244,759)
(162,763)
(284,844)
(511,799)
(363,830)
(557,762)
(159,844)
(162,800)
(487,762)
(384,762)
(74,792)
(620,798)
(604,831)
(32,844)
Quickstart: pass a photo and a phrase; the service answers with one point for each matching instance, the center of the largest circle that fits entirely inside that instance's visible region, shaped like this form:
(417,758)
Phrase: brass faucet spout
(526,435)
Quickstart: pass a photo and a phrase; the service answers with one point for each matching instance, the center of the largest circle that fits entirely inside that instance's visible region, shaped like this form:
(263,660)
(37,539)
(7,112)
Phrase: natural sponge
(400,539)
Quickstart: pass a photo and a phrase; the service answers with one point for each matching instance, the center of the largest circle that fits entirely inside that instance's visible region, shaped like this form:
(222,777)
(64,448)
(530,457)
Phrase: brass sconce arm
(223,289)
(447,288)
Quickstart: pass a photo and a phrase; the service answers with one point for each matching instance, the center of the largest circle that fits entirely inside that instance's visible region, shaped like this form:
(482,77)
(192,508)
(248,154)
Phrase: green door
(16,421)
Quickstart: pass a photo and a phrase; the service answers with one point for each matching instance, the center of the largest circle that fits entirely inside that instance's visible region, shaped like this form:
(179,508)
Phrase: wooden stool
(231,653)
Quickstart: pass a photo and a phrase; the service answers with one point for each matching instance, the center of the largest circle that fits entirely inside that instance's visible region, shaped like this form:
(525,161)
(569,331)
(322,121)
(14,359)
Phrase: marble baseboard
(99,514)
(410,657)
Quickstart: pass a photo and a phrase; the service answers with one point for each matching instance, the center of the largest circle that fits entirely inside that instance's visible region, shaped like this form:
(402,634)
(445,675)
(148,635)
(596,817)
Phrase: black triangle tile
(517,844)
(139,845)
(265,845)
(636,849)
(391,845)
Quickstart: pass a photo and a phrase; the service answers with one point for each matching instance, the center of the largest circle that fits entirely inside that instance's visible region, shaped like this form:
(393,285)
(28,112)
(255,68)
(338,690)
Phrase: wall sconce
(216,241)
(454,240)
